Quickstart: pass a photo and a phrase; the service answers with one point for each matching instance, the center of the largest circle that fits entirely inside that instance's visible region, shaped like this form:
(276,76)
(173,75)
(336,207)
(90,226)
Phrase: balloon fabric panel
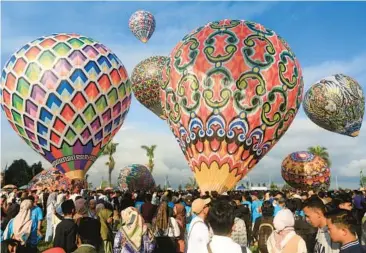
(336,103)
(66,96)
(230,91)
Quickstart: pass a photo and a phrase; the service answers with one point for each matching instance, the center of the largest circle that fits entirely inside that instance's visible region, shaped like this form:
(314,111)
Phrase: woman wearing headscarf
(179,213)
(166,230)
(92,211)
(284,239)
(105,218)
(80,210)
(51,206)
(57,214)
(99,208)
(133,236)
(19,228)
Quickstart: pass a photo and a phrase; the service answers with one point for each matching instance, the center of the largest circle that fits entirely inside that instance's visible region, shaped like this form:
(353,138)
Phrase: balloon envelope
(231,90)
(336,103)
(136,177)
(51,179)
(66,96)
(142,25)
(146,79)
(304,170)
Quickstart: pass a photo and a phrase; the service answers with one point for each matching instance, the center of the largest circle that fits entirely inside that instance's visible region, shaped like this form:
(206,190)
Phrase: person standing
(198,234)
(314,210)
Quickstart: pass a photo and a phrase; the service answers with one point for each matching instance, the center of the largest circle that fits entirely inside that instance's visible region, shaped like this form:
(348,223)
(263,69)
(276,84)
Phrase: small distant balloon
(336,103)
(146,78)
(142,25)
(305,171)
(136,177)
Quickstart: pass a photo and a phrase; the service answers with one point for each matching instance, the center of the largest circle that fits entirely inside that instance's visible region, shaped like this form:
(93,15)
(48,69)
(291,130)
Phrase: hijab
(80,209)
(161,220)
(133,227)
(52,199)
(99,207)
(284,227)
(105,230)
(180,214)
(22,223)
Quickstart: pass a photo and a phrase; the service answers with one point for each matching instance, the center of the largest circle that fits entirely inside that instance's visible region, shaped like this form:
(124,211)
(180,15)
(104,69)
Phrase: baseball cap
(199,204)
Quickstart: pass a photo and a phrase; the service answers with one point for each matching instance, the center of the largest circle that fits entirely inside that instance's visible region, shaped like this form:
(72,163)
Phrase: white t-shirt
(224,244)
(198,236)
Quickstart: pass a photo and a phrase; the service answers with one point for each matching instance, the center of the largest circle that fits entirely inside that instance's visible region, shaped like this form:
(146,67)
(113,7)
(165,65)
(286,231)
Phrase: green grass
(42,246)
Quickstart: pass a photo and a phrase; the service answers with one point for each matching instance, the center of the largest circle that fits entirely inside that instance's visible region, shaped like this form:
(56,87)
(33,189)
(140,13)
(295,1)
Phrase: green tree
(322,152)
(362,179)
(19,173)
(150,153)
(264,184)
(109,151)
(273,186)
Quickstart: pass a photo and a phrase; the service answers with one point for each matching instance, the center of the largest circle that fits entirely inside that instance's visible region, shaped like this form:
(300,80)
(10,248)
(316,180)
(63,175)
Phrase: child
(342,229)
(66,230)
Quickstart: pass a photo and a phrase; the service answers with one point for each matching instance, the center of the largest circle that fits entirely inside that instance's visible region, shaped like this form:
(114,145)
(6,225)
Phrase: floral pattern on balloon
(136,177)
(142,25)
(66,96)
(230,91)
(146,79)
(305,171)
(336,103)
(51,179)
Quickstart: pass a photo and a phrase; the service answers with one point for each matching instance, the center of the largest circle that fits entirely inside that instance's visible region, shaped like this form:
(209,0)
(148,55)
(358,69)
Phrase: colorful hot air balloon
(146,79)
(136,177)
(231,90)
(51,179)
(336,103)
(66,96)
(142,25)
(304,170)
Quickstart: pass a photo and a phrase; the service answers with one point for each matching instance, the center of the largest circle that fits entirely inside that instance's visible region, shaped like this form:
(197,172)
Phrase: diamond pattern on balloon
(18,102)
(32,53)
(33,72)
(10,82)
(78,78)
(20,66)
(47,59)
(62,67)
(75,43)
(47,43)
(79,101)
(59,125)
(67,113)
(49,80)
(23,87)
(77,58)
(91,91)
(89,113)
(65,90)
(91,52)
(62,49)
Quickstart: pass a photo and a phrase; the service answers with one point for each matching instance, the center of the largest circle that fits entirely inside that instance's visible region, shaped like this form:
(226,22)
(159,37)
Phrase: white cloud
(355,67)
(354,167)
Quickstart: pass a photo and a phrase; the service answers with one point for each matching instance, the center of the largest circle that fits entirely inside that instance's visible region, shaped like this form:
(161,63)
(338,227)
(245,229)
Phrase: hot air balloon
(336,103)
(51,179)
(142,25)
(146,78)
(304,170)
(231,90)
(136,177)
(66,96)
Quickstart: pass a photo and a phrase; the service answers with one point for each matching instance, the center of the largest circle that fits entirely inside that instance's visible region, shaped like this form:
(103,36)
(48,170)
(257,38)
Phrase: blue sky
(327,38)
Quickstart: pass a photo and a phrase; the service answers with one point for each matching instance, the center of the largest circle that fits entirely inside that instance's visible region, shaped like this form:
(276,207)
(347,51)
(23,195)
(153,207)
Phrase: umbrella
(240,188)
(10,186)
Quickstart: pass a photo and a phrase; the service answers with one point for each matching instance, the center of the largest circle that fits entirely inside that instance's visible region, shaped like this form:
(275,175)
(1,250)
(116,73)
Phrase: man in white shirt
(198,234)
(221,219)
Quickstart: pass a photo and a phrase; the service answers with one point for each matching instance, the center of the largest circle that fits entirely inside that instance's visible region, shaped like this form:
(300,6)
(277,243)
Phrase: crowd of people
(183,221)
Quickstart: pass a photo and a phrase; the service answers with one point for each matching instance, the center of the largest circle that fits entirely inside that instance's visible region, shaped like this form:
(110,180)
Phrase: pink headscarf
(284,224)
(22,222)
